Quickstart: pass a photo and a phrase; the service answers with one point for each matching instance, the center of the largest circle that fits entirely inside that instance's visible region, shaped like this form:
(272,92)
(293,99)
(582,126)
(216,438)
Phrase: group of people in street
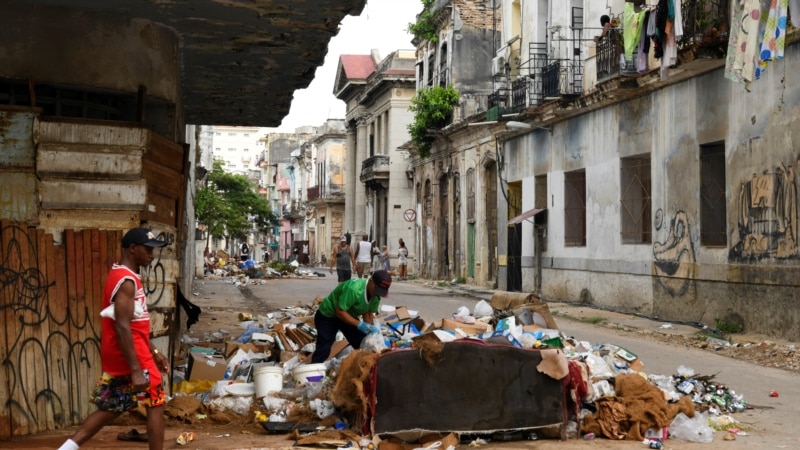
(365,258)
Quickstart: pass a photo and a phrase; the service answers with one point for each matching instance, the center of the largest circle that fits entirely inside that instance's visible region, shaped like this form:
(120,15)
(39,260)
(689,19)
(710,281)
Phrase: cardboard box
(402,313)
(206,367)
(469,329)
(232,346)
(392,443)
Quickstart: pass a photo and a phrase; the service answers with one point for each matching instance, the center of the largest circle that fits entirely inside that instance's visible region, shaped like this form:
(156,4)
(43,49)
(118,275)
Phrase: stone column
(362,153)
(351,181)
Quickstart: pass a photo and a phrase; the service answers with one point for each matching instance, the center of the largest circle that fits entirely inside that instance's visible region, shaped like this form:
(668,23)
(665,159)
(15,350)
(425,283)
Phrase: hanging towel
(632,25)
(773,38)
(743,42)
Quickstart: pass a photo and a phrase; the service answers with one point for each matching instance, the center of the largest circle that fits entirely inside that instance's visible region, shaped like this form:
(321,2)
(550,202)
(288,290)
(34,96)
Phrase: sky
(382,25)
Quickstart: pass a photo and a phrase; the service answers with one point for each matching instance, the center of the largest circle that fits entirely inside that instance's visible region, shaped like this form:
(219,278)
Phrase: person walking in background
(363,257)
(131,364)
(385,258)
(402,260)
(349,308)
(344,259)
(376,257)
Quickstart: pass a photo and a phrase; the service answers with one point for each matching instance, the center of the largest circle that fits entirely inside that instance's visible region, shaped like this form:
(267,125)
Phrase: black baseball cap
(382,280)
(141,236)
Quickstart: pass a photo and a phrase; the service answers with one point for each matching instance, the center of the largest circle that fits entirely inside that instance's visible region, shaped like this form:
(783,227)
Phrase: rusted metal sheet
(83,194)
(18,196)
(16,143)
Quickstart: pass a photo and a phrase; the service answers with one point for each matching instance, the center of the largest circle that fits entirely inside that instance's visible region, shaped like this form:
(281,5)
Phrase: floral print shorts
(115,394)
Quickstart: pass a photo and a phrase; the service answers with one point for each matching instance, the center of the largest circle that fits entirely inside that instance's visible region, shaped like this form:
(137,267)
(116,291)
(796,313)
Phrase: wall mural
(767,217)
(674,258)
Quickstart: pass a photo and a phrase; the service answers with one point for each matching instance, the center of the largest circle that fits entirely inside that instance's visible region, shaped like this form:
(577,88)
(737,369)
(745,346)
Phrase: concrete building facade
(378,190)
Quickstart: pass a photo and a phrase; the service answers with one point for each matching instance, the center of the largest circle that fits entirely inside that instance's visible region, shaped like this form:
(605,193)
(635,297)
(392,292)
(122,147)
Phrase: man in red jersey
(132,366)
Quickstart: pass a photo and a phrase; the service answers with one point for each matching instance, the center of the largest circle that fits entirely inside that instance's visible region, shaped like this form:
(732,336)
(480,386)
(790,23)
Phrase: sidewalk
(589,314)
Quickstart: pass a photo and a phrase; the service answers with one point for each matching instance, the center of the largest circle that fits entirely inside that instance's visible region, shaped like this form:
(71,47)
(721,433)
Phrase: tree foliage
(230,207)
(425,26)
(433,109)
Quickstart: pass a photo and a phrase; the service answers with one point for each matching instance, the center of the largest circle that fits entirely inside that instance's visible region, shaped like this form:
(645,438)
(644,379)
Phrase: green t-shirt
(350,296)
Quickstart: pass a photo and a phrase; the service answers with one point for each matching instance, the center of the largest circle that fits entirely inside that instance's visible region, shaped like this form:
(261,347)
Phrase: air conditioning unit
(499,65)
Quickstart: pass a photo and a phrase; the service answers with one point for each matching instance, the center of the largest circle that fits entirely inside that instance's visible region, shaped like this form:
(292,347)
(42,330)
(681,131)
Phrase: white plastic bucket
(267,379)
(309,373)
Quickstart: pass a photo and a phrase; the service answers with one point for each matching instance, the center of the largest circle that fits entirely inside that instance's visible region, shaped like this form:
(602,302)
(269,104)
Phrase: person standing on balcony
(605,22)
(364,257)
(344,259)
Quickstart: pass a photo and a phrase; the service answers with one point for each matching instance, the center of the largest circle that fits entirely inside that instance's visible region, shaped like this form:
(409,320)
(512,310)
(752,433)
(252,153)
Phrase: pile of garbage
(266,372)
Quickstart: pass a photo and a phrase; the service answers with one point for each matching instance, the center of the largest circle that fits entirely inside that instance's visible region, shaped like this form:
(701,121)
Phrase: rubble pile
(266,373)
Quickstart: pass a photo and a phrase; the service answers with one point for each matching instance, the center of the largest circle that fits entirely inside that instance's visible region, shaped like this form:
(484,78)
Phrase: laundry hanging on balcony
(773,39)
(754,41)
(632,23)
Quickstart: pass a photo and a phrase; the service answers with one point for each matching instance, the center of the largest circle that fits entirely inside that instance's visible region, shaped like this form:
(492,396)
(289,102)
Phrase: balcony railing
(329,191)
(375,166)
(375,172)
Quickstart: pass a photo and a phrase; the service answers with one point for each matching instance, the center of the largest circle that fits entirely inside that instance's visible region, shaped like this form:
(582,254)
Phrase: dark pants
(326,336)
(344,274)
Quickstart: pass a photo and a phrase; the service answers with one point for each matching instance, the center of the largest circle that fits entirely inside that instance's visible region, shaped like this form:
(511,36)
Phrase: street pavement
(772,423)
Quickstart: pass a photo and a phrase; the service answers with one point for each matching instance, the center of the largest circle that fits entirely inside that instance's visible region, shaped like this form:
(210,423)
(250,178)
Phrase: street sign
(410,215)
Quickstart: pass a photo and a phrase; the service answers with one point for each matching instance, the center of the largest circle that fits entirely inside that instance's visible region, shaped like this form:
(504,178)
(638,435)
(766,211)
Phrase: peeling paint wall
(752,281)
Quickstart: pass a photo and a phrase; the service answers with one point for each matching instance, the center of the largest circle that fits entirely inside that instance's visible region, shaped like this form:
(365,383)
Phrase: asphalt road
(772,423)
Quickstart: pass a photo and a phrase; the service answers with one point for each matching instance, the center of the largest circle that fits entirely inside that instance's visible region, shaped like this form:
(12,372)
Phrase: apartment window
(431,61)
(575,208)
(713,208)
(636,226)
(231,134)
(247,135)
(217,149)
(231,149)
(540,202)
(428,200)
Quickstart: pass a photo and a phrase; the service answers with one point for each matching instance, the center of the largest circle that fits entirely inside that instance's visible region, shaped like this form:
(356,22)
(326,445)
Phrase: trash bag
(483,308)
(693,429)
(373,342)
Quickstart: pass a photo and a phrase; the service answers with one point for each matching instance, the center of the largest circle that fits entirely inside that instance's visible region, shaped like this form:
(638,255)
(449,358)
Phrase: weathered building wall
(105,51)
(99,180)
(750,281)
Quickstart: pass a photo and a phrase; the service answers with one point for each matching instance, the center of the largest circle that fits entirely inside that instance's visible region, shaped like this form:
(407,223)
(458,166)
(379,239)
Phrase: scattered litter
(185,438)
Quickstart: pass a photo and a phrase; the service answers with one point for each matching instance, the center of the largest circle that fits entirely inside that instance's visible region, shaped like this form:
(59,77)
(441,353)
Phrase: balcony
(547,79)
(327,192)
(375,172)
(293,210)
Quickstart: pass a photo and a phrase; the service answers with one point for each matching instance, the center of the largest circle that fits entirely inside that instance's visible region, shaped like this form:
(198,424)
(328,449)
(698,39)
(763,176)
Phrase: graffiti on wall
(674,257)
(767,217)
(59,342)
(154,275)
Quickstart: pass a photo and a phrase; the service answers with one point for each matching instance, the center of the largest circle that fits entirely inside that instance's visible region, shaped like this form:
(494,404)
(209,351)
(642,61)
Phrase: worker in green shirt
(350,308)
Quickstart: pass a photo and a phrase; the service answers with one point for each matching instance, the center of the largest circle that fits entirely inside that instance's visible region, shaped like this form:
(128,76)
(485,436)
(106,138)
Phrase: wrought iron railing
(609,48)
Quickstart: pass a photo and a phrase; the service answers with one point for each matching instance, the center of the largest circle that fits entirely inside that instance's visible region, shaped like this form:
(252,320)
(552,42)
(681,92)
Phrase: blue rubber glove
(364,327)
(367,328)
